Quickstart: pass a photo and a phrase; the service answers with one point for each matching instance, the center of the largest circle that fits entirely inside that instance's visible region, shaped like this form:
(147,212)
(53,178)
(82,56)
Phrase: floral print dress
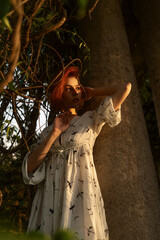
(68,193)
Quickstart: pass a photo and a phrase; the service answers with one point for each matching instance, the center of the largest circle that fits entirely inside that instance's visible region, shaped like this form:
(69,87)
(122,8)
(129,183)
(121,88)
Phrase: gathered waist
(60,149)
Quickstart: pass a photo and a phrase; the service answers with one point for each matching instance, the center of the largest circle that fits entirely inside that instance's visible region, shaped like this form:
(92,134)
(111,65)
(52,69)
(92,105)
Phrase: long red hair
(56,91)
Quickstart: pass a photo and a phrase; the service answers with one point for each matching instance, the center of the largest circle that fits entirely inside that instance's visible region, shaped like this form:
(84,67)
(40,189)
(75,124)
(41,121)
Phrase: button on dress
(68,194)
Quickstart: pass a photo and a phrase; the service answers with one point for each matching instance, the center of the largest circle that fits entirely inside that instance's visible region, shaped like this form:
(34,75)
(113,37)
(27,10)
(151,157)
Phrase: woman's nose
(75,92)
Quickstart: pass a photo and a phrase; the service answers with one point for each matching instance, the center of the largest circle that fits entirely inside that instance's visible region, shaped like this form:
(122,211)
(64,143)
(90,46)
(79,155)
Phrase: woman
(61,164)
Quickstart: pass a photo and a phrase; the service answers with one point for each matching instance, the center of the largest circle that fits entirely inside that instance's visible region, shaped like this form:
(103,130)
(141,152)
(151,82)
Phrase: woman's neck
(71,110)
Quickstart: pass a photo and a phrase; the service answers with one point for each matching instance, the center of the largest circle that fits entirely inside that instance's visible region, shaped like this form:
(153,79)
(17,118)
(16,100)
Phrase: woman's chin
(79,106)
(76,105)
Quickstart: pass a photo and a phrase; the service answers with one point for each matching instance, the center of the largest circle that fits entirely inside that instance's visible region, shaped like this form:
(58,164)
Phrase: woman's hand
(61,122)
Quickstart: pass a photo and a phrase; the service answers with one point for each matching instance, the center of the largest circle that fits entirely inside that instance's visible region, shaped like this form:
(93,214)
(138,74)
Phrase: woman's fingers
(65,117)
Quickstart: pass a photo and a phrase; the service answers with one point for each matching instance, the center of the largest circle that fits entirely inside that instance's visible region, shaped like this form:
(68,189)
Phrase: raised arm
(119,93)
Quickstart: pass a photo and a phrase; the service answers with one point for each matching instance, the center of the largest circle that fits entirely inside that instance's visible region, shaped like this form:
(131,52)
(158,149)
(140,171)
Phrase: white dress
(68,193)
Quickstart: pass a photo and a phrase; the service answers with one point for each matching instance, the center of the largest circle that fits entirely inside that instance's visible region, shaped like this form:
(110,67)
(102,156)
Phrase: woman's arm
(37,156)
(120,95)
(60,124)
(118,92)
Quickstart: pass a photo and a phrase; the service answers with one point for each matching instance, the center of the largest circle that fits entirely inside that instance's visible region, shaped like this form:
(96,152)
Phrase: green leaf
(85,72)
(6,22)
(50,16)
(40,19)
(80,45)
(59,37)
(19,63)
(73,40)
(8,129)
(85,58)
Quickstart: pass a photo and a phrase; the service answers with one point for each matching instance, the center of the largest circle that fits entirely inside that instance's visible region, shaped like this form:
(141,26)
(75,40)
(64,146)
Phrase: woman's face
(72,93)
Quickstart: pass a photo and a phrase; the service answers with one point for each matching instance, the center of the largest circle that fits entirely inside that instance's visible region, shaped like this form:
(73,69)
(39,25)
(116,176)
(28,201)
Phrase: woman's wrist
(56,131)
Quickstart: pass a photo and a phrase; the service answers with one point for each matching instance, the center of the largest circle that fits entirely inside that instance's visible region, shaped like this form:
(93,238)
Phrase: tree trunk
(148,12)
(122,154)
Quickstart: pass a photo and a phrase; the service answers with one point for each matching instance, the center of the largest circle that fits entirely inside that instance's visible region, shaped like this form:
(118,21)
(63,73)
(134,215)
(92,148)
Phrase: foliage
(49,41)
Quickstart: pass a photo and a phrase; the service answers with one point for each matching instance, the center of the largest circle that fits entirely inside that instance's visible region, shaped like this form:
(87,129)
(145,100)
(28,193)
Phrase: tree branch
(91,10)
(18,121)
(37,6)
(52,28)
(13,59)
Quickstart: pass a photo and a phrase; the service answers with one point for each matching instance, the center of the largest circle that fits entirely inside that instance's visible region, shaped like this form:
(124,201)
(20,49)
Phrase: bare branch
(91,10)
(37,6)
(4,40)
(11,12)
(18,120)
(39,50)
(2,76)
(4,104)
(13,59)
(52,28)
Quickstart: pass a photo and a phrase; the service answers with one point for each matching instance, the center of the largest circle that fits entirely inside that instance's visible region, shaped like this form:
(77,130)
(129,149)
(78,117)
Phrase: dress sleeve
(105,113)
(39,174)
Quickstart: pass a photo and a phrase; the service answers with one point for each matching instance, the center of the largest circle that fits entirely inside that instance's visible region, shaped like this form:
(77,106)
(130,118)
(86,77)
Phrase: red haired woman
(61,164)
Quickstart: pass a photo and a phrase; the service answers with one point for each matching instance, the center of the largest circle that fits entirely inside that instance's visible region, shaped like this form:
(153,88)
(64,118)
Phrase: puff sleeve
(39,174)
(105,113)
